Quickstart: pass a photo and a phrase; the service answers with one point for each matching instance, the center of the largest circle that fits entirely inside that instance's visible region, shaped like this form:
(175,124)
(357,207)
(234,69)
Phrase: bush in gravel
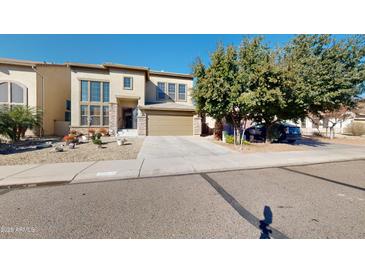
(15,121)
(97,142)
(356,128)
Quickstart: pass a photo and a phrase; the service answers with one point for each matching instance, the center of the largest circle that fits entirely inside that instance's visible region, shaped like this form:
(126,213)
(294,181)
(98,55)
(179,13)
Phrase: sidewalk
(125,169)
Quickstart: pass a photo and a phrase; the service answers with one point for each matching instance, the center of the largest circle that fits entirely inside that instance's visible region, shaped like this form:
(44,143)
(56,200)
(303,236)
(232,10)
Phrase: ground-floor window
(105,115)
(84,111)
(94,115)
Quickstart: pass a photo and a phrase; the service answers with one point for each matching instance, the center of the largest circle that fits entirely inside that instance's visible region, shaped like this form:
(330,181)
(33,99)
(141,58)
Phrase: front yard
(81,153)
(262,147)
(306,143)
(342,139)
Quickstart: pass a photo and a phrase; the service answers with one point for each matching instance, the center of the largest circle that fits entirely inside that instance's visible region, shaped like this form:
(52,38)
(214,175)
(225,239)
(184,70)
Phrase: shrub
(97,142)
(229,139)
(15,121)
(356,128)
(245,142)
(73,132)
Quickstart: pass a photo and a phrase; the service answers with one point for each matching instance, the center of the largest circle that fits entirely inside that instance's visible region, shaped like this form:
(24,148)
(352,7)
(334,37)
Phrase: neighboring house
(360,112)
(127,100)
(308,127)
(41,85)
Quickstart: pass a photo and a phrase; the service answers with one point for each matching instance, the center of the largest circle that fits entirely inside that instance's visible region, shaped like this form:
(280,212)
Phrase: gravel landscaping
(82,153)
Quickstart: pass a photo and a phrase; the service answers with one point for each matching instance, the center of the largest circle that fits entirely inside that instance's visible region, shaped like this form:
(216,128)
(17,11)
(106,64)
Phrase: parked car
(281,132)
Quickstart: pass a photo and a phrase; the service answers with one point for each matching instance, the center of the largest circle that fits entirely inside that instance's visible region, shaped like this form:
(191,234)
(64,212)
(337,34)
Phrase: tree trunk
(237,135)
(218,127)
(268,137)
(243,132)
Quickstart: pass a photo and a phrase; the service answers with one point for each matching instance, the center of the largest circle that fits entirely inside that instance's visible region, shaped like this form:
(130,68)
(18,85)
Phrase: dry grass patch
(341,139)
(262,147)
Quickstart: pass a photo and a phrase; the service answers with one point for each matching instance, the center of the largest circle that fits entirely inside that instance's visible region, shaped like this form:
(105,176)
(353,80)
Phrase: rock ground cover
(82,153)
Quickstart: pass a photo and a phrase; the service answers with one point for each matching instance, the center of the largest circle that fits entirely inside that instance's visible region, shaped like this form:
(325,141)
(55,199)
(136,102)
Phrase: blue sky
(159,52)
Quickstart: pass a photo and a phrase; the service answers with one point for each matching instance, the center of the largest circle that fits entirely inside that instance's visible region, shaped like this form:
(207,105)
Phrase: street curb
(28,185)
(122,178)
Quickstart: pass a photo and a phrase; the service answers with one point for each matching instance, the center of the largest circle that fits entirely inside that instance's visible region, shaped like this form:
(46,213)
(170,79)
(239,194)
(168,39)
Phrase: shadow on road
(264,224)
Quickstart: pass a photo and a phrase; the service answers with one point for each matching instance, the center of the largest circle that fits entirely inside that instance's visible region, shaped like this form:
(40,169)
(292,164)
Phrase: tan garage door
(170,124)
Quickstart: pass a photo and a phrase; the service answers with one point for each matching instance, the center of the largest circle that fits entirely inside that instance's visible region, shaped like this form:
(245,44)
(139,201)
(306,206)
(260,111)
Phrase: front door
(129,118)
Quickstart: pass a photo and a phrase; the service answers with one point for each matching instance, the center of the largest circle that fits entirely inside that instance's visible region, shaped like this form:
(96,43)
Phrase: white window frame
(131,86)
(25,94)
(158,92)
(178,93)
(168,91)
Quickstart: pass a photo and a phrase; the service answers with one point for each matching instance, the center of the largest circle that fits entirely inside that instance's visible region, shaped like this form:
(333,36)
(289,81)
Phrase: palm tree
(16,120)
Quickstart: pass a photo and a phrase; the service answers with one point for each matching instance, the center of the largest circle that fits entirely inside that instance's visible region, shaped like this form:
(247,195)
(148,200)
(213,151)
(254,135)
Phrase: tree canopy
(312,74)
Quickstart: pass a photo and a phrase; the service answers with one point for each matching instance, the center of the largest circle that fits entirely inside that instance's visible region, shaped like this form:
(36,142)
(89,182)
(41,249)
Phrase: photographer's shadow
(265,224)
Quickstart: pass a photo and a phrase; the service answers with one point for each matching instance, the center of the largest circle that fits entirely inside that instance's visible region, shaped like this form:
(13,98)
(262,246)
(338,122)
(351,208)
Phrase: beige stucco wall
(76,76)
(23,75)
(116,84)
(57,81)
(152,84)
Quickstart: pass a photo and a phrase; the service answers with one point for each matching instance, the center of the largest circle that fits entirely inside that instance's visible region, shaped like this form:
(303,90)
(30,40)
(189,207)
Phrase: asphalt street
(311,201)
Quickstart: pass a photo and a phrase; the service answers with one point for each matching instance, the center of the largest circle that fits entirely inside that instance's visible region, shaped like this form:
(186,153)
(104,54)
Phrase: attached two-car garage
(170,119)
(167,123)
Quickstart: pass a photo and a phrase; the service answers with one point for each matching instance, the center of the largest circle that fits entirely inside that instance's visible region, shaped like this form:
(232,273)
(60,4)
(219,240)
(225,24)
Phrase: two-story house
(127,100)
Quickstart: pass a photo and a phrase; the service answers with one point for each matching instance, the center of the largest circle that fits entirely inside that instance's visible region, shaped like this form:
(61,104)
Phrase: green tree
(263,79)
(6,128)
(217,90)
(199,89)
(15,121)
(210,94)
(325,74)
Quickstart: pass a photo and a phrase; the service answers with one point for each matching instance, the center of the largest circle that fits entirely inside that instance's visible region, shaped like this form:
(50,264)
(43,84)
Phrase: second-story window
(160,91)
(172,91)
(95,91)
(182,92)
(106,92)
(127,83)
(84,91)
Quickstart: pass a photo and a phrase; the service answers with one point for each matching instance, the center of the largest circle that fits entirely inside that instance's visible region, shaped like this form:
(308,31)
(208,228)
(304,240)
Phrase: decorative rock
(58,149)
(121,142)
(71,146)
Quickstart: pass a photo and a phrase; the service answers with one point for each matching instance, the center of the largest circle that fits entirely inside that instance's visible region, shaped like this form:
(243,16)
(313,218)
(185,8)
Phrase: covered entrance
(127,116)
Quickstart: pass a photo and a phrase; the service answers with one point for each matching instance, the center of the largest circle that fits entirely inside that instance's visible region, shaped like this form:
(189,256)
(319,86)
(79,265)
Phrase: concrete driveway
(180,146)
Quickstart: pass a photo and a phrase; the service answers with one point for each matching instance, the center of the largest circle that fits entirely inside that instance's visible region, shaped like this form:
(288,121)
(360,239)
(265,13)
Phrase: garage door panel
(160,125)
